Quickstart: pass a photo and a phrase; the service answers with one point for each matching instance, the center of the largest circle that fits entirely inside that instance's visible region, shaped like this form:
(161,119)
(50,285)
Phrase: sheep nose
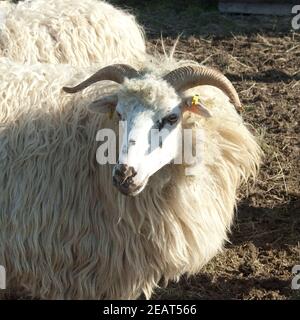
(123,175)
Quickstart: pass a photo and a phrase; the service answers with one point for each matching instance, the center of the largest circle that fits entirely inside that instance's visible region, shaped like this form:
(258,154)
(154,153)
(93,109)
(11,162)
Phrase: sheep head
(151,110)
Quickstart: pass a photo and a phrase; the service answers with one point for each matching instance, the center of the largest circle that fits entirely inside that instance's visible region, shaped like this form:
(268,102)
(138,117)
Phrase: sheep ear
(104,105)
(197,107)
(201,109)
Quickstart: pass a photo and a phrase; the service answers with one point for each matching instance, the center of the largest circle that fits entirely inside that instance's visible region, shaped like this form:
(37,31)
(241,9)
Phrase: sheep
(77,32)
(71,228)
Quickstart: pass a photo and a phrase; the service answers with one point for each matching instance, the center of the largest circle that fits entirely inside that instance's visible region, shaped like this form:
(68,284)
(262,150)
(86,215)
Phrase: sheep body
(77,32)
(66,232)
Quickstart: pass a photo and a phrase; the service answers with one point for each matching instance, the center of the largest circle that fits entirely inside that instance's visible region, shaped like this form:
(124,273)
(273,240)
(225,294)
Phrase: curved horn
(115,72)
(188,77)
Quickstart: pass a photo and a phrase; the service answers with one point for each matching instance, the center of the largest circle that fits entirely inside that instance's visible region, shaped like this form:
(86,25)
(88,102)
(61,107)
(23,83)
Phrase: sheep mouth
(130,189)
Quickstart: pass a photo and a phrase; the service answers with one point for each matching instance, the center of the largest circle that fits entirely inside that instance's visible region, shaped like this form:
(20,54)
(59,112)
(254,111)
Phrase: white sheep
(66,228)
(77,32)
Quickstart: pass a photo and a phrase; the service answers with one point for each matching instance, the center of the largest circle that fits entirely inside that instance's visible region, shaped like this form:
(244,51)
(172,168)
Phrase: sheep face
(150,116)
(150,113)
(150,134)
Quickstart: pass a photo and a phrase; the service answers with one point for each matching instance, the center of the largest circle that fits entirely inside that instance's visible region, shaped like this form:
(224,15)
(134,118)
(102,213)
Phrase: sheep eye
(172,118)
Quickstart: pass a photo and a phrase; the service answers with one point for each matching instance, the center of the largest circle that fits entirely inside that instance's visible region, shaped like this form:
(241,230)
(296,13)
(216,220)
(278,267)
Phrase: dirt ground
(261,55)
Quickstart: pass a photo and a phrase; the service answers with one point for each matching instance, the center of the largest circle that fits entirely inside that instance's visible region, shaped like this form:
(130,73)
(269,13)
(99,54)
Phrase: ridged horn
(188,77)
(115,72)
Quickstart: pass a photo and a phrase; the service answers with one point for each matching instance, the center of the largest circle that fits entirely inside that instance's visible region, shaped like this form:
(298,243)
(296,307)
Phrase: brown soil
(261,55)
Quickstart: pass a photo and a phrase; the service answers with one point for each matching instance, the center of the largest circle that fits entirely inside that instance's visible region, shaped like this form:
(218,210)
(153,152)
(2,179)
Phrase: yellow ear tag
(195,99)
(111,114)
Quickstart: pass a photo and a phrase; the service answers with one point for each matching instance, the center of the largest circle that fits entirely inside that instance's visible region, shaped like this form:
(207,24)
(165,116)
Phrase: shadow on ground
(200,18)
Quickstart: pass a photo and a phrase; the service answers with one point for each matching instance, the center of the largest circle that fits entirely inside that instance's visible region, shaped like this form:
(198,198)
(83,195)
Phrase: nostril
(129,180)
(132,172)
(125,171)
(123,176)
(120,170)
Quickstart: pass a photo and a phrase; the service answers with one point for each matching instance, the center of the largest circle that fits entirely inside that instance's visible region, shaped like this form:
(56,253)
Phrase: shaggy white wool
(4,8)
(150,90)
(77,32)
(66,232)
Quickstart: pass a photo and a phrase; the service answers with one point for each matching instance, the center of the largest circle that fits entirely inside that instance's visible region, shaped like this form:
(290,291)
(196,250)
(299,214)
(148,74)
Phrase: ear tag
(195,100)
(196,106)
